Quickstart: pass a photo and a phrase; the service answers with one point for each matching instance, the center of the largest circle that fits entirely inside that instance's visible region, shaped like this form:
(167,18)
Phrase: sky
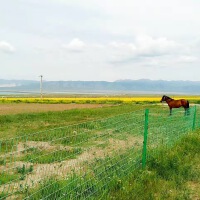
(100,40)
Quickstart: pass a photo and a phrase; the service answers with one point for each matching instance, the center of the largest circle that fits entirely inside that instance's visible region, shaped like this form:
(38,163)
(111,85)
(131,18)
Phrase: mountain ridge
(118,86)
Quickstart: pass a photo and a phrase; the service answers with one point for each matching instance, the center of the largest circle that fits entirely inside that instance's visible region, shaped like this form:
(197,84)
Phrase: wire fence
(84,161)
(164,131)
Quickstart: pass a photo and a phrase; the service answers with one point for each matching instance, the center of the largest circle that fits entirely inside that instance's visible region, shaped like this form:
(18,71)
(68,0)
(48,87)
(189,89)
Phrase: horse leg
(186,111)
(187,108)
(170,113)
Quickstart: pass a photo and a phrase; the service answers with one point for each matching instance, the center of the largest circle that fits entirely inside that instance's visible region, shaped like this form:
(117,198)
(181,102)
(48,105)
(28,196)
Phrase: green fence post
(194,118)
(144,151)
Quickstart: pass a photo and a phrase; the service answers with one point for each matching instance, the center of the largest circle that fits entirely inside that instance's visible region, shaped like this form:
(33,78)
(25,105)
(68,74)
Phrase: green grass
(80,134)
(3,196)
(23,170)
(107,170)
(45,156)
(167,176)
(5,177)
(18,174)
(116,175)
(7,145)
(21,124)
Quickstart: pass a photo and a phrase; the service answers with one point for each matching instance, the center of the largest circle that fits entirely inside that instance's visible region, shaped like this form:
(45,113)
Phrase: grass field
(28,122)
(51,154)
(174,174)
(39,146)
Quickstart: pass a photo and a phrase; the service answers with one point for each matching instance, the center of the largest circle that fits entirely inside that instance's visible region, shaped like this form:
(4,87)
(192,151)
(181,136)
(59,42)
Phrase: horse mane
(168,97)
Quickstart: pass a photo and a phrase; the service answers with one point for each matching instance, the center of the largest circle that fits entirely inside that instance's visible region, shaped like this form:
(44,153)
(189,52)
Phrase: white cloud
(187,59)
(142,47)
(6,47)
(148,46)
(76,45)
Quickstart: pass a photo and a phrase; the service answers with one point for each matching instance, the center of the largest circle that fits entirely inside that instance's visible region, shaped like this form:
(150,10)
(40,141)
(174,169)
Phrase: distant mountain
(119,86)
(16,82)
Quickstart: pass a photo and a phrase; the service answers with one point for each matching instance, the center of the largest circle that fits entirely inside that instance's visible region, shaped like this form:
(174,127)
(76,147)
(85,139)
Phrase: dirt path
(14,108)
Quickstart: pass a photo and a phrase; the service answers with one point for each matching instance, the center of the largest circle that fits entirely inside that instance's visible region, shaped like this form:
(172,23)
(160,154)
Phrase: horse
(176,103)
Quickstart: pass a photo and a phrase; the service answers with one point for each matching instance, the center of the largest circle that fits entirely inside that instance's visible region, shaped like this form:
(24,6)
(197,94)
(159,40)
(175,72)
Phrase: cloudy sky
(100,39)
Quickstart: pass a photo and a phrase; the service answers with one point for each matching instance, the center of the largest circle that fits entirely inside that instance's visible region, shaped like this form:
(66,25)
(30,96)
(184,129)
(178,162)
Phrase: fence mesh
(84,161)
(165,130)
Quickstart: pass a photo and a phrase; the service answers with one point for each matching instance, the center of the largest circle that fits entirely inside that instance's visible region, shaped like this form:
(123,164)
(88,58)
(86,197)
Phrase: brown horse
(176,103)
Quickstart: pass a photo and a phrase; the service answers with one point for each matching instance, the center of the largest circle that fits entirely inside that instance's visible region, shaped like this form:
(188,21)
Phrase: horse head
(165,98)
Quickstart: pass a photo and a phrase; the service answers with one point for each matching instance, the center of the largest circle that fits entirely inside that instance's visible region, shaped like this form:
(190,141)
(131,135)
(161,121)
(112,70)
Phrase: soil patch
(14,108)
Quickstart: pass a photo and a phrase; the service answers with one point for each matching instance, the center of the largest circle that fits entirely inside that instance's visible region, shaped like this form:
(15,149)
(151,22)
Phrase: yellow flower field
(92,99)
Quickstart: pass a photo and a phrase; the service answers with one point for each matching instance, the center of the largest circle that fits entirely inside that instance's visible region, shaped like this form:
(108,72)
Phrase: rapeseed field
(101,100)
